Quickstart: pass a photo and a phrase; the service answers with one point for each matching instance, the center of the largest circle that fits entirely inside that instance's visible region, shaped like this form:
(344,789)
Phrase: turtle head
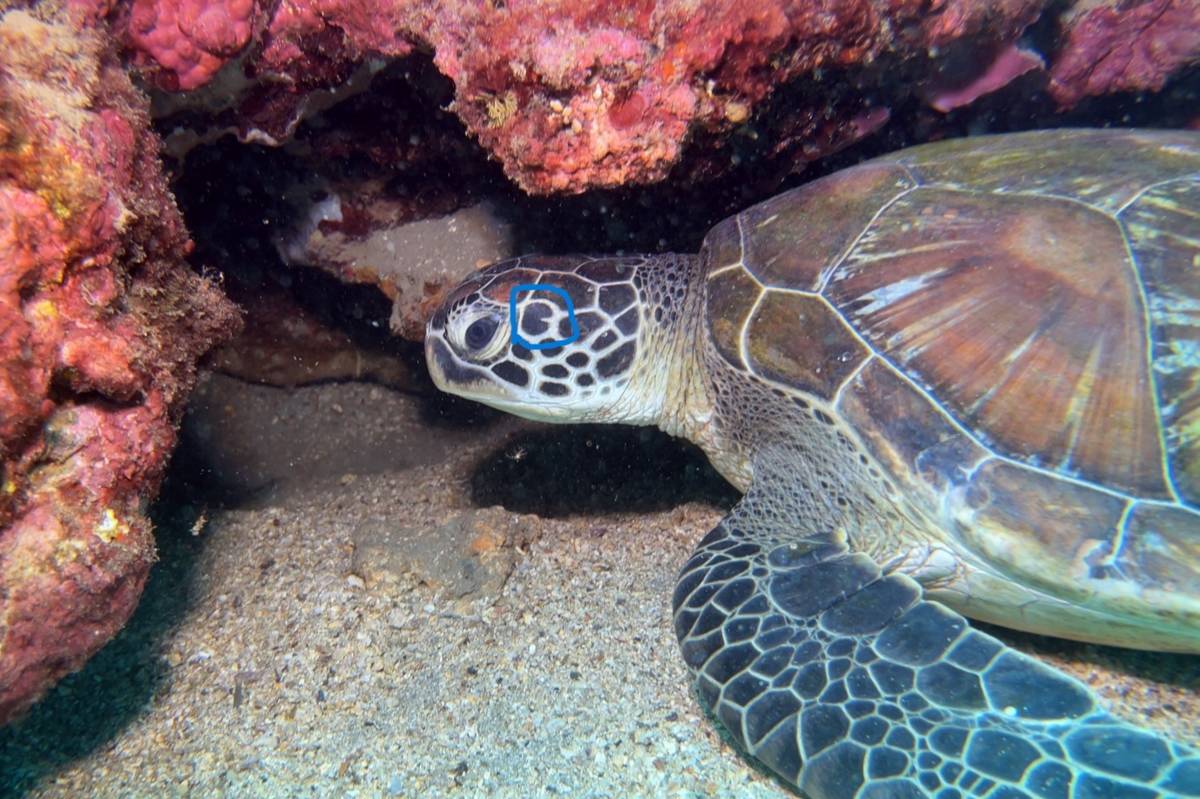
(565,339)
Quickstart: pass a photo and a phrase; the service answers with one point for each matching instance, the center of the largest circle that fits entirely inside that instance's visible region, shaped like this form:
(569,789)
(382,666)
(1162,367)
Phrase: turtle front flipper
(847,683)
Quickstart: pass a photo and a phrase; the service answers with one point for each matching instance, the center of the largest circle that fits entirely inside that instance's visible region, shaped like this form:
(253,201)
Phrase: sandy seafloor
(301,633)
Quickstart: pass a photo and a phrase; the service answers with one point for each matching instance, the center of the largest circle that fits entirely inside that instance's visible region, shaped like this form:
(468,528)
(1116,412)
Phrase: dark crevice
(1171,668)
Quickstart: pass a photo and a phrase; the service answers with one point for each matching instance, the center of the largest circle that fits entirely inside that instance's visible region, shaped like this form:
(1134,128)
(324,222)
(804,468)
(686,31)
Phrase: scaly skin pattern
(844,681)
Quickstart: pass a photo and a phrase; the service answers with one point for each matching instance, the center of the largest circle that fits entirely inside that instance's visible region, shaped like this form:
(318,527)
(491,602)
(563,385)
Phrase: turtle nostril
(479,333)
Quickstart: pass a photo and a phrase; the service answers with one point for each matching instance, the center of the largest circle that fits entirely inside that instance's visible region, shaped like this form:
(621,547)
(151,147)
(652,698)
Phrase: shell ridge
(1164,464)
(744,335)
(837,395)
(1194,176)
(828,272)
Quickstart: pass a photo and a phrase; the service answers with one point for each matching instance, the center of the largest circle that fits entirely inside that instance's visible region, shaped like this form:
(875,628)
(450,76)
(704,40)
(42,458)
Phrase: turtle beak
(434,354)
(449,373)
(455,377)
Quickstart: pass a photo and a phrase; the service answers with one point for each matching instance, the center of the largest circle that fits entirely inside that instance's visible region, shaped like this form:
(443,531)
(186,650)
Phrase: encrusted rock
(574,96)
(468,557)
(369,238)
(191,39)
(101,324)
(1115,46)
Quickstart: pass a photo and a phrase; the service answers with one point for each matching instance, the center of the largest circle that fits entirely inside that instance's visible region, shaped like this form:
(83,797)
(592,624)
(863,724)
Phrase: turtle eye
(480,332)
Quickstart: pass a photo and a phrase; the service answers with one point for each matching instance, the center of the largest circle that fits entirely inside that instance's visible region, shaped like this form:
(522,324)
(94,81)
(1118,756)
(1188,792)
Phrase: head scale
(557,339)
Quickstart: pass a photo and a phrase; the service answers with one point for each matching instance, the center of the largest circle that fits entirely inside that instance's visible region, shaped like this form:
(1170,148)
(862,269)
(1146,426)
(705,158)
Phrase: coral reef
(1112,46)
(570,96)
(191,39)
(101,323)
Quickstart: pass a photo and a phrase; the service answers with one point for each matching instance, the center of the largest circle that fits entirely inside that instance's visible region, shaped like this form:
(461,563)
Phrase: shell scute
(1164,236)
(1160,551)
(1042,530)
(904,431)
(1023,316)
(732,295)
(817,361)
(1062,163)
(792,240)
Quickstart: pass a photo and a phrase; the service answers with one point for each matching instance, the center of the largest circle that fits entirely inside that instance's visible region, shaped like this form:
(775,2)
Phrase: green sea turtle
(960,379)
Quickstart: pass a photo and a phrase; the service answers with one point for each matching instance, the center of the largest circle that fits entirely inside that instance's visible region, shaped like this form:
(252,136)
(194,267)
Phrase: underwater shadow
(88,710)
(598,469)
(1166,668)
(449,412)
(593,469)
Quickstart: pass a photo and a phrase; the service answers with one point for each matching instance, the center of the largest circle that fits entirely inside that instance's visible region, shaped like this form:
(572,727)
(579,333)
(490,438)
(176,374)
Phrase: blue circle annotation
(513,321)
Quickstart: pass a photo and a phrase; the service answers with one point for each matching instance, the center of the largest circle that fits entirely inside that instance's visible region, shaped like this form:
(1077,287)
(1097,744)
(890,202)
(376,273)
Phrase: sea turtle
(960,379)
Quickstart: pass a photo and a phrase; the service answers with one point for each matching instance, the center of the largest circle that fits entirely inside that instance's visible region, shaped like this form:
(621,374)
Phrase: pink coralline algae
(1124,46)
(570,96)
(191,39)
(302,32)
(101,323)
(1009,64)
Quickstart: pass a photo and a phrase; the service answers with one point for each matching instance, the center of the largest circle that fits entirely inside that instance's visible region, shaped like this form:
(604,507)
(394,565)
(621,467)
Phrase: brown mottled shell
(1011,324)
